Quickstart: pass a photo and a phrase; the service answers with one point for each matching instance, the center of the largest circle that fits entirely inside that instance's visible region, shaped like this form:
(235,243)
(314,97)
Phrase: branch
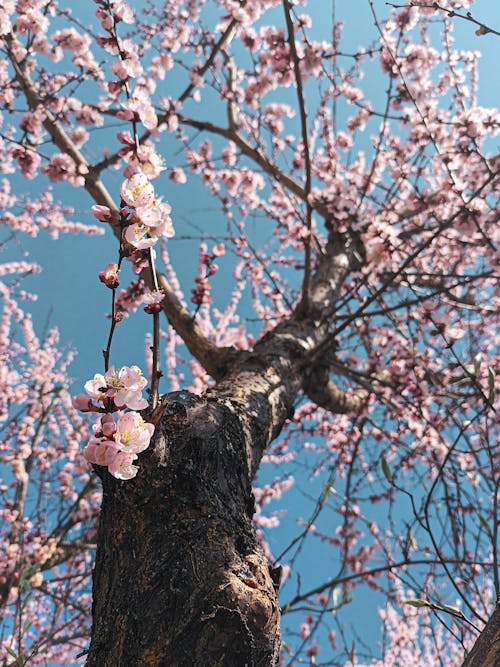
(259,158)
(325,393)
(307,158)
(224,39)
(338,581)
(482,30)
(212,358)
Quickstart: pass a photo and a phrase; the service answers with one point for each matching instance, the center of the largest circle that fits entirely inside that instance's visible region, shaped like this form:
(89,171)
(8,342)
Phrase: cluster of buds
(116,444)
(201,293)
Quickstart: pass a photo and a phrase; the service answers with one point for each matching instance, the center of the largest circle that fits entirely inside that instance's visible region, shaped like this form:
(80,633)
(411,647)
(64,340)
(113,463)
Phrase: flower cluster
(116,444)
(150,218)
(147,218)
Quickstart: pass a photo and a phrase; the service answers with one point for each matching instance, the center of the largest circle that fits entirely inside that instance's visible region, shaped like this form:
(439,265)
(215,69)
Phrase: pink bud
(108,425)
(81,402)
(152,308)
(110,275)
(218,250)
(125,138)
(114,87)
(102,213)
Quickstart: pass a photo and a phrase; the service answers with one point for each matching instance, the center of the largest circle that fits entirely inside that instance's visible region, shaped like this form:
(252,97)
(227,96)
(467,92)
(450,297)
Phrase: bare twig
(483,29)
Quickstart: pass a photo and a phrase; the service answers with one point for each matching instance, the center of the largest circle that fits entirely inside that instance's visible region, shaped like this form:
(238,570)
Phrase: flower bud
(110,275)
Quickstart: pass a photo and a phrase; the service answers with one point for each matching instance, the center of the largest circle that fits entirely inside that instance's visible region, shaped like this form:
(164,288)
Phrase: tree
(356,341)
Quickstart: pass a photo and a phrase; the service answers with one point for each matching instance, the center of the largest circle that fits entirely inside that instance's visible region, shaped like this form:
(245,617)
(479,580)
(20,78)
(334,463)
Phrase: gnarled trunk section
(180,578)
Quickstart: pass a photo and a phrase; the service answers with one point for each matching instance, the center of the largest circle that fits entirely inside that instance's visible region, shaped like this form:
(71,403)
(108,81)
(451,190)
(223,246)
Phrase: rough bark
(486,650)
(180,578)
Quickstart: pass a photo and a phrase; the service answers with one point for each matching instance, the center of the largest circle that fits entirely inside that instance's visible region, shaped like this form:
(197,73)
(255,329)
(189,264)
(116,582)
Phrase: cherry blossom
(122,468)
(133,433)
(137,191)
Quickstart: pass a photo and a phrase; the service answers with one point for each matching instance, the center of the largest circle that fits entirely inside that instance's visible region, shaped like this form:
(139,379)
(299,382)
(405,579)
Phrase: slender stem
(155,348)
(107,351)
(114,321)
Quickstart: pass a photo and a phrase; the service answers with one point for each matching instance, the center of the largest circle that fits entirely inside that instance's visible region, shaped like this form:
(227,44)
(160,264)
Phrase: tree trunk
(486,650)
(180,578)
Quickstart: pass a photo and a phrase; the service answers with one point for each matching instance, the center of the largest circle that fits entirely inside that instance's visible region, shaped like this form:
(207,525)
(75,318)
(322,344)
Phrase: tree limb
(212,358)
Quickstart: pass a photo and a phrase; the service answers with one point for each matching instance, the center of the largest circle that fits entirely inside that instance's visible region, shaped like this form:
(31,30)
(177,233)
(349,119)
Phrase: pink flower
(121,466)
(105,425)
(100,452)
(28,161)
(218,250)
(127,68)
(177,175)
(138,105)
(105,18)
(149,222)
(122,12)
(125,387)
(125,138)
(102,213)
(153,301)
(81,402)
(137,191)
(136,235)
(133,434)
(96,388)
(455,333)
